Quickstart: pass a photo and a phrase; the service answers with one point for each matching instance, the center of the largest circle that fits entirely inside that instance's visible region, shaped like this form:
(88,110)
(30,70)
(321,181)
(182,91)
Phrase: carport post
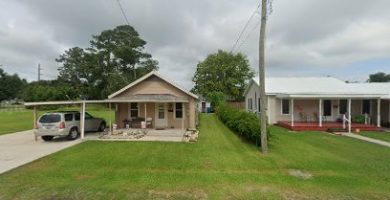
(109,108)
(35,117)
(82,120)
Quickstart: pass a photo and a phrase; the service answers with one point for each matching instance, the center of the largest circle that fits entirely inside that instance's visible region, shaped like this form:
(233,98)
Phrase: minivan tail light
(62,125)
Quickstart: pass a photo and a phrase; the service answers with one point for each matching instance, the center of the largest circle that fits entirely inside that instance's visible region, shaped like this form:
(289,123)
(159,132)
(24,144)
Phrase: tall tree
(379,77)
(223,72)
(263,97)
(10,85)
(115,58)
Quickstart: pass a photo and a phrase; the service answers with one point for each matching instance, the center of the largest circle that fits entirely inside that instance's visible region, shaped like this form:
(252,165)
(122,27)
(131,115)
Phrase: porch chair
(149,122)
(303,116)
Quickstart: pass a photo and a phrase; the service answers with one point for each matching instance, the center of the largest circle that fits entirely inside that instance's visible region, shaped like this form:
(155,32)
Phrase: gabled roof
(152,73)
(320,86)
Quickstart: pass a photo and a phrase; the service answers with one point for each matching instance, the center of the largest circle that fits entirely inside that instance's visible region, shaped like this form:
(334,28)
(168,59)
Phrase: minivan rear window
(50,118)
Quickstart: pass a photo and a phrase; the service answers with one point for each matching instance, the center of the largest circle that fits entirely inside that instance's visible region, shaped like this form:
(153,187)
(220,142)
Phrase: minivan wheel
(47,137)
(102,127)
(73,134)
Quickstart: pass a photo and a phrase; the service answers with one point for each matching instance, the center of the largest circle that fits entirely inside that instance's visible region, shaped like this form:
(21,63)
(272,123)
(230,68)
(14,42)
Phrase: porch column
(35,117)
(82,120)
(378,118)
(349,115)
(320,113)
(292,111)
(182,118)
(145,111)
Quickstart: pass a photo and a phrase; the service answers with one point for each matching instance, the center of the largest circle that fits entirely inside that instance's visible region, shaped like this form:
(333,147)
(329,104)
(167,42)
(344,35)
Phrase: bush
(243,123)
(359,119)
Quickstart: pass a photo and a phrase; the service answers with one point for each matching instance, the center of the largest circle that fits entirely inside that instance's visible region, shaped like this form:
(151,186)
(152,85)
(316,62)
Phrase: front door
(161,115)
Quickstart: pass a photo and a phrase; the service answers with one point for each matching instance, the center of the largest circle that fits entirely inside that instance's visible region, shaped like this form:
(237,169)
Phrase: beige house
(154,100)
(319,103)
(151,102)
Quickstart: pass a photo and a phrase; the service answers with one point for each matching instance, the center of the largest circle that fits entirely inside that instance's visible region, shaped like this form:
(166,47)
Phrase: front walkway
(367,139)
(17,149)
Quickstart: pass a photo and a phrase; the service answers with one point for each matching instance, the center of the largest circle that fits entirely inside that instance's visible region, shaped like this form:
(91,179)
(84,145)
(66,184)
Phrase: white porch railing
(345,120)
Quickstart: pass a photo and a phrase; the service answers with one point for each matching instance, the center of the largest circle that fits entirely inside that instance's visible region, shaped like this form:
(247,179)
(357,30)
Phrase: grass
(21,120)
(219,166)
(385,136)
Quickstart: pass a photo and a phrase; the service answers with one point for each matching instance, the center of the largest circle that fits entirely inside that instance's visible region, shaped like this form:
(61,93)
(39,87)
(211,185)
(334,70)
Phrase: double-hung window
(285,106)
(250,104)
(179,110)
(366,107)
(133,110)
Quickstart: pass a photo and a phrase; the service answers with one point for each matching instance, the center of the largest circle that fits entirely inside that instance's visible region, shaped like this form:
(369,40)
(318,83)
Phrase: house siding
(155,85)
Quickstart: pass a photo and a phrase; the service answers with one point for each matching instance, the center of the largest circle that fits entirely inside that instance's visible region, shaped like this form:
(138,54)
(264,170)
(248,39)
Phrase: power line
(256,11)
(247,37)
(245,27)
(123,12)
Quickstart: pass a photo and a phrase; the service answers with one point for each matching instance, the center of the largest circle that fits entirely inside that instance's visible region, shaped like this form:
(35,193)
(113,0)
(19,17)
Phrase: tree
(223,72)
(379,77)
(10,85)
(114,59)
(263,97)
(53,90)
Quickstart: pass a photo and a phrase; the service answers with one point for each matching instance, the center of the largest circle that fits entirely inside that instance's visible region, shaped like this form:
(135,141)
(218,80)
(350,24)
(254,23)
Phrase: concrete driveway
(19,148)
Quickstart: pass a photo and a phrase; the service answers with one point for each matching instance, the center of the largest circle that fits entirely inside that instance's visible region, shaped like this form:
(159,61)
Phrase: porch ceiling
(331,96)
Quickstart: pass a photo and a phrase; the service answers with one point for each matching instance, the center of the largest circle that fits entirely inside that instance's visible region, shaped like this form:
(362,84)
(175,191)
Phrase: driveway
(19,148)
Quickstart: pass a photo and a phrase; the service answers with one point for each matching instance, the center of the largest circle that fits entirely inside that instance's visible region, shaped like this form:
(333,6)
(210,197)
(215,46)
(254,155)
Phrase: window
(327,109)
(50,118)
(285,107)
(366,107)
(179,110)
(133,110)
(77,116)
(259,104)
(343,106)
(256,102)
(250,104)
(68,117)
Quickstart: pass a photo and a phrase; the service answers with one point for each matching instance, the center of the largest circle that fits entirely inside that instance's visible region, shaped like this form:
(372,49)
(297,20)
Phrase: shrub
(359,119)
(243,123)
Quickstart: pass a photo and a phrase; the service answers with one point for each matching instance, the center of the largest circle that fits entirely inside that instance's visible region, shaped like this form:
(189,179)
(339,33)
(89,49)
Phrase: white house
(318,103)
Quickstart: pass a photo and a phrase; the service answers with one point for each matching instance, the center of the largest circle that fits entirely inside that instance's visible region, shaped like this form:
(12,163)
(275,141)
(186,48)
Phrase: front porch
(348,114)
(313,126)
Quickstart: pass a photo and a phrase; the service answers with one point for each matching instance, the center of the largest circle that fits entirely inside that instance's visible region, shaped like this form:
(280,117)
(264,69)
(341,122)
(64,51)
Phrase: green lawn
(219,166)
(385,136)
(15,121)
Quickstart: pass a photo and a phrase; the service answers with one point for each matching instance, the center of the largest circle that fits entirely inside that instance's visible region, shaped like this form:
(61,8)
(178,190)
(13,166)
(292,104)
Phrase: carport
(81,104)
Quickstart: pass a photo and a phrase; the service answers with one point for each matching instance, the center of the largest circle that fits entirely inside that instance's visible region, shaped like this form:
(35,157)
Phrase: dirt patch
(186,194)
(207,164)
(300,174)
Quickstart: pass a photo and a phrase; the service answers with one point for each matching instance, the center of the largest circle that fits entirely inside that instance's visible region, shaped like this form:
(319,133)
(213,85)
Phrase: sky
(347,39)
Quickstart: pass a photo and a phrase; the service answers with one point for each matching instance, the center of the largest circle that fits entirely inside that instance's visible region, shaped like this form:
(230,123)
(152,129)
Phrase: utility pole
(263,97)
(39,72)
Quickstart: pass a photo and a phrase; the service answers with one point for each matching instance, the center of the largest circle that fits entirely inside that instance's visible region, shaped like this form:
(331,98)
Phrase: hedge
(243,123)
